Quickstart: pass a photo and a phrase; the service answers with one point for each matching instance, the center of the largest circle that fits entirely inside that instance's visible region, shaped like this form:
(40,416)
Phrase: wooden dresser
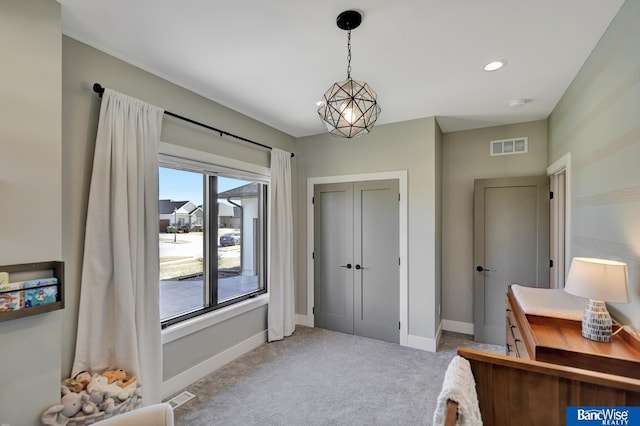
(560,341)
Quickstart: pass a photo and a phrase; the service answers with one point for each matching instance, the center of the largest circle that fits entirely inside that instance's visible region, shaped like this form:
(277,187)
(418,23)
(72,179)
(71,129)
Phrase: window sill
(193,325)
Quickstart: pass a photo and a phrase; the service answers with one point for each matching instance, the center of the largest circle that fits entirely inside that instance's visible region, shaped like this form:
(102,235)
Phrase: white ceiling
(272,60)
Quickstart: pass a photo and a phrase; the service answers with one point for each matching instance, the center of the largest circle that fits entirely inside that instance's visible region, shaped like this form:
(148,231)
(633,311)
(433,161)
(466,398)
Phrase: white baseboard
(424,343)
(458,327)
(438,335)
(304,320)
(184,379)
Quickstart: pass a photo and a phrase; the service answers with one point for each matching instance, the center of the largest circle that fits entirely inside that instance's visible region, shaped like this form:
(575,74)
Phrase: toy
(119,377)
(83,377)
(97,397)
(70,404)
(108,405)
(115,375)
(130,384)
(89,408)
(73,385)
(99,383)
(90,397)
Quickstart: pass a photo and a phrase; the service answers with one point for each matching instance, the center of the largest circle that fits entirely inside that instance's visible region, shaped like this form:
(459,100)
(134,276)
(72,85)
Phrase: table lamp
(600,281)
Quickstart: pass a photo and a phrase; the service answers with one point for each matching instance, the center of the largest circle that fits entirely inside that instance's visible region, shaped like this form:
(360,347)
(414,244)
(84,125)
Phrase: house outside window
(212,238)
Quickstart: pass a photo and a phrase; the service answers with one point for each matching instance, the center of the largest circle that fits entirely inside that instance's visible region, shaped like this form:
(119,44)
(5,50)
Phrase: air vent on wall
(509,146)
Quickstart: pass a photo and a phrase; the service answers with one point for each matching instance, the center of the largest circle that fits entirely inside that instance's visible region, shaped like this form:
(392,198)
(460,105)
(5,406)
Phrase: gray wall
(598,122)
(465,157)
(411,146)
(30,167)
(82,66)
(438,171)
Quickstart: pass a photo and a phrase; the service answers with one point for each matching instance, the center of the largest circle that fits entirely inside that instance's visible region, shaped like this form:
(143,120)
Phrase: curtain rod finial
(98,88)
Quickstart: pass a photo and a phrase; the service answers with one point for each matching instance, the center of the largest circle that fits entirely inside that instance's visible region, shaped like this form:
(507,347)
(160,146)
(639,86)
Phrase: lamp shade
(598,279)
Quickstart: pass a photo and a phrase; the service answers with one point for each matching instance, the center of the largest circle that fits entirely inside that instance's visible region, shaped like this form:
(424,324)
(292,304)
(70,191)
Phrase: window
(212,237)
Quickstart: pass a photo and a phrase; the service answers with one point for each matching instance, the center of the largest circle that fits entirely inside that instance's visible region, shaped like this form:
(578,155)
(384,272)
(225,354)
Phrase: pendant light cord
(349,55)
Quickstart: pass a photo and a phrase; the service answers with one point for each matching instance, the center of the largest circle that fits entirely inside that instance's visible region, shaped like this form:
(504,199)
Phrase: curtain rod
(97,87)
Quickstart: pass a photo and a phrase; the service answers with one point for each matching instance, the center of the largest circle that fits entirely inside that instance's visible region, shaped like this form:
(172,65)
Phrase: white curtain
(119,319)
(281,317)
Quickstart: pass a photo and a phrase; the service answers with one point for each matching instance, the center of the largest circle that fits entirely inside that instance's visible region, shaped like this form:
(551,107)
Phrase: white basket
(127,405)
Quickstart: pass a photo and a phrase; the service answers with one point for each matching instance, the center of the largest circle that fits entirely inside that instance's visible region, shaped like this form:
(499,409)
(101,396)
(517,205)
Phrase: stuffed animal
(72,402)
(73,385)
(115,375)
(89,408)
(119,377)
(100,383)
(130,384)
(108,405)
(70,405)
(84,377)
(97,396)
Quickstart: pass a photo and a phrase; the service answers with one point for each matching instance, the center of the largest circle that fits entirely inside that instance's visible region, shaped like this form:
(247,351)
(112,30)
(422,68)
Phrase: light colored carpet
(321,377)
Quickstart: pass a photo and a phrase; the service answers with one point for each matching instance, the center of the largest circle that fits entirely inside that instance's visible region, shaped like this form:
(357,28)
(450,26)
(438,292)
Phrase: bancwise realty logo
(603,416)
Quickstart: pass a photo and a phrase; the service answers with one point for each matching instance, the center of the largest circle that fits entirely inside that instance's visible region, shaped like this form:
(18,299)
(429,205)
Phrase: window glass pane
(240,227)
(212,239)
(181,242)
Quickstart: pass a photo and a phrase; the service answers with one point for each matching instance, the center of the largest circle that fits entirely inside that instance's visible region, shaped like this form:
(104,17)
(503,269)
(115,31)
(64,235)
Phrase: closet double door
(356,258)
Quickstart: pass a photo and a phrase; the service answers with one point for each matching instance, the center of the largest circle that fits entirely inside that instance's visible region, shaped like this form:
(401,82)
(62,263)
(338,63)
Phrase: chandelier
(349,108)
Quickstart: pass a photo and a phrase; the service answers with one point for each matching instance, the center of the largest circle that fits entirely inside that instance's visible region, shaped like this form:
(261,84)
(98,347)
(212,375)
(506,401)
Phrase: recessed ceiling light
(495,65)
(517,103)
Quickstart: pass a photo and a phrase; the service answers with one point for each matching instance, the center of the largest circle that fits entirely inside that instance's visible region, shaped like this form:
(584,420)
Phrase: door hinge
(399,326)
(313,310)
(313,200)
(398,196)
(313,255)
(398,261)
(551,195)
(550,263)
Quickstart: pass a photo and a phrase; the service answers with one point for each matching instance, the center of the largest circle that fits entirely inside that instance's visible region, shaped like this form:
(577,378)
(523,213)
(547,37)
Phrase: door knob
(480,269)
(358,267)
(348,266)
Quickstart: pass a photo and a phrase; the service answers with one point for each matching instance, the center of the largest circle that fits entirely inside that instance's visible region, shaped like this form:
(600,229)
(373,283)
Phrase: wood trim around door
(401,176)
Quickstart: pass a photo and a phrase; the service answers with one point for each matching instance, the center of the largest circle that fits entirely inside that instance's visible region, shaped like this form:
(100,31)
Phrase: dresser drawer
(515,343)
(511,345)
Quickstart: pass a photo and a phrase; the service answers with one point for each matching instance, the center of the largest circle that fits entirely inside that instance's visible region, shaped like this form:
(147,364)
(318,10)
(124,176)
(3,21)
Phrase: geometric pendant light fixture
(349,108)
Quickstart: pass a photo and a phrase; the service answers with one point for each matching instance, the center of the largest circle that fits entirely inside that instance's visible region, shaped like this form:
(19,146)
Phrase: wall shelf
(33,271)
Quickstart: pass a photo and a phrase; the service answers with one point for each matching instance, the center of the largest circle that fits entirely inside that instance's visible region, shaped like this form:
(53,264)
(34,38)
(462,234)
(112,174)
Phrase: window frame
(181,158)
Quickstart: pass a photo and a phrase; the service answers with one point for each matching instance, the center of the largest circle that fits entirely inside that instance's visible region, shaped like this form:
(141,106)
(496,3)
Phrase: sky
(181,185)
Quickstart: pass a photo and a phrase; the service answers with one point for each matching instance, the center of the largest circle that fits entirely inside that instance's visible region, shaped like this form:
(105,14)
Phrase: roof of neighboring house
(245,191)
(169,206)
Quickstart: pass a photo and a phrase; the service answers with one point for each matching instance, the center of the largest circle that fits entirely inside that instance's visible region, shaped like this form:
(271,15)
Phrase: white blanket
(459,386)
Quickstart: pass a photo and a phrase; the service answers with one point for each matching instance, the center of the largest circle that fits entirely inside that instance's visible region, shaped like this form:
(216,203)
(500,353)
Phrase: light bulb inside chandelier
(349,108)
(347,112)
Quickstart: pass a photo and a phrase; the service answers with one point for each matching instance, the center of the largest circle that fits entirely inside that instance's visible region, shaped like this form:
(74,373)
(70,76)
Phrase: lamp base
(596,322)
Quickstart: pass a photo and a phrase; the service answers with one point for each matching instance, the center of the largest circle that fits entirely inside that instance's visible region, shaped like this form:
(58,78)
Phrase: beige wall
(598,122)
(82,66)
(465,157)
(410,146)
(30,166)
